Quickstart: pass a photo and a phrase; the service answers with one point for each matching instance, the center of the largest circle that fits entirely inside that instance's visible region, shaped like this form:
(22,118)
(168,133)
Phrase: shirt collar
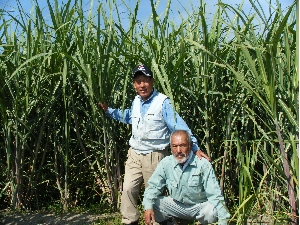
(188,161)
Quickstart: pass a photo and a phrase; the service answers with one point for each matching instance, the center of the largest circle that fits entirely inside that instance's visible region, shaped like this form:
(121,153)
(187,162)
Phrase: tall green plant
(267,62)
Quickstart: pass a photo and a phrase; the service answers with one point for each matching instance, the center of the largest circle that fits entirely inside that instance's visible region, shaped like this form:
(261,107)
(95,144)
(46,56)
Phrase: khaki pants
(138,167)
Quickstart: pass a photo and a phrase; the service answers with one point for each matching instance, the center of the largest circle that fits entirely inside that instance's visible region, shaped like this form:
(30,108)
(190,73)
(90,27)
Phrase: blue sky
(178,7)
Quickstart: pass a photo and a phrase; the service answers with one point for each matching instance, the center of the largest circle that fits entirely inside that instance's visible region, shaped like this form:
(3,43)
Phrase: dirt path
(52,219)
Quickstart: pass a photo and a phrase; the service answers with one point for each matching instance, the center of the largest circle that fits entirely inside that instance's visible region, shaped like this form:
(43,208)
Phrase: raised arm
(123,116)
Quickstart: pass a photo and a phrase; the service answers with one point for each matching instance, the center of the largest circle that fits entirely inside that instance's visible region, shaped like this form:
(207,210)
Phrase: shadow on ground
(52,219)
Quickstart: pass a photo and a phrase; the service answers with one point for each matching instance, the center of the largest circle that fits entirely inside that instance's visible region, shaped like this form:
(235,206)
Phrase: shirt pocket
(154,122)
(155,126)
(172,187)
(134,121)
(195,186)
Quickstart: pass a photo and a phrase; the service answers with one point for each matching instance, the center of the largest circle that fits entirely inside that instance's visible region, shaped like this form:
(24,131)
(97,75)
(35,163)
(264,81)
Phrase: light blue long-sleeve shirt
(167,111)
(194,184)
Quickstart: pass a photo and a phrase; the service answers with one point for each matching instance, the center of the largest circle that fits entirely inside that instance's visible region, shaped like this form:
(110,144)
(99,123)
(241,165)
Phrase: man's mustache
(180,154)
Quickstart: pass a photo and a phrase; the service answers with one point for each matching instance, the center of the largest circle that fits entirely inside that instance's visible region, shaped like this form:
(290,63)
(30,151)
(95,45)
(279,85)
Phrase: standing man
(194,192)
(153,119)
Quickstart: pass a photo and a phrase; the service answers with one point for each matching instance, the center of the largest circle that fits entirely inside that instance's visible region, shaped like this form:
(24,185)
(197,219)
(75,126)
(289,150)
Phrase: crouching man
(194,192)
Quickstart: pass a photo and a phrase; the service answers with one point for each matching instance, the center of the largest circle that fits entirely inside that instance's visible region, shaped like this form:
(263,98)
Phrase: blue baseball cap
(144,69)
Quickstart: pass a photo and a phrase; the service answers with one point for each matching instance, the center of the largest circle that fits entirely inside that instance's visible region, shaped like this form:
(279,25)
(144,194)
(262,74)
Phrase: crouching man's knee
(207,213)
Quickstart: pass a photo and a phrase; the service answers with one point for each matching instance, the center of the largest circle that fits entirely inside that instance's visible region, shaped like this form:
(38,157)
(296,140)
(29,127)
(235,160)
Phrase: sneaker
(177,221)
(167,222)
(133,223)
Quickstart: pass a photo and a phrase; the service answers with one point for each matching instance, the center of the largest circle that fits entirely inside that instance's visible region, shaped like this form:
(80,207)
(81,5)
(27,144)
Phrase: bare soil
(83,218)
(40,218)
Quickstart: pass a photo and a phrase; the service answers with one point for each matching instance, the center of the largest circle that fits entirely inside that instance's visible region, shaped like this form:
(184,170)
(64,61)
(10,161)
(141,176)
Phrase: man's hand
(103,106)
(149,217)
(201,154)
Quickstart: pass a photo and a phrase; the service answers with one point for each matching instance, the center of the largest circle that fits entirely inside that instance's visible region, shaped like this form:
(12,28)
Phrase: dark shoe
(177,221)
(133,223)
(167,222)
